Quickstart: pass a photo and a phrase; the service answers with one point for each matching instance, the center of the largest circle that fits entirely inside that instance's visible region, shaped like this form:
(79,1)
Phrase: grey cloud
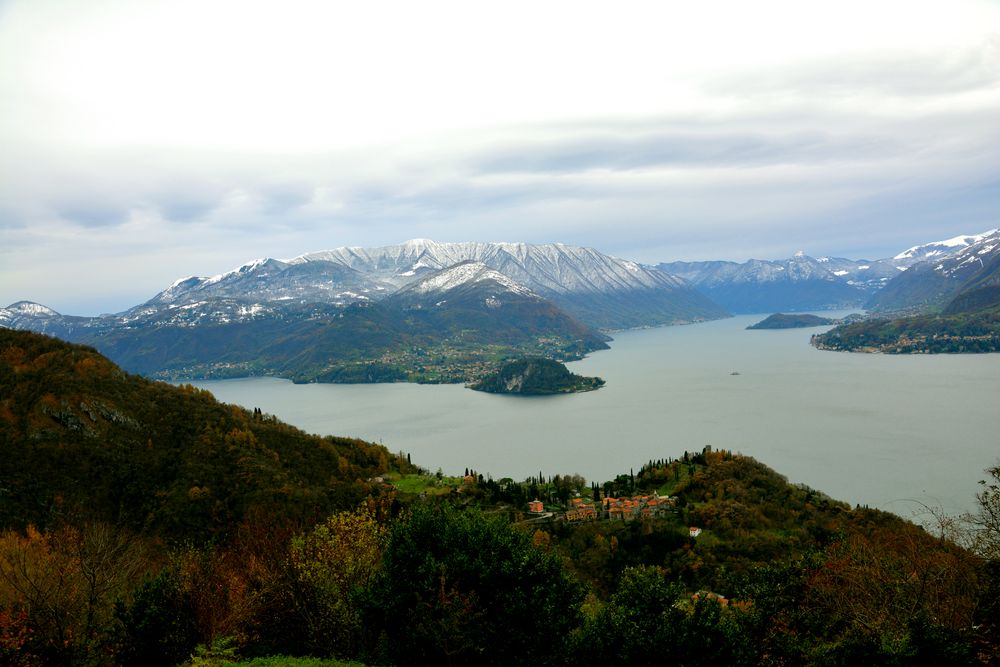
(281,198)
(721,148)
(13,219)
(457,197)
(183,207)
(92,213)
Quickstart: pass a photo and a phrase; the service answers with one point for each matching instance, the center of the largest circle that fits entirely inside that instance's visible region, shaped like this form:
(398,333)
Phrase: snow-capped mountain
(940,249)
(32,316)
(300,316)
(799,268)
(22,311)
(947,268)
(806,283)
(462,308)
(798,283)
(472,294)
(601,290)
(464,275)
(545,268)
(276,280)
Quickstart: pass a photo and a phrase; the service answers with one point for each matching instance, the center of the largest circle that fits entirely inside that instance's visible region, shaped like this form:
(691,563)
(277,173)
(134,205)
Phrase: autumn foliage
(143,524)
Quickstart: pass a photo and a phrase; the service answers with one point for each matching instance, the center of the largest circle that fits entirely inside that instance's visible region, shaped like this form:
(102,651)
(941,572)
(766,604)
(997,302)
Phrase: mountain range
(950,302)
(798,283)
(428,311)
(824,283)
(944,271)
(356,314)
(602,291)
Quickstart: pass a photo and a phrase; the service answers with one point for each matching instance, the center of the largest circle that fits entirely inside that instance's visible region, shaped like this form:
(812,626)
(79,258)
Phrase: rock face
(535,377)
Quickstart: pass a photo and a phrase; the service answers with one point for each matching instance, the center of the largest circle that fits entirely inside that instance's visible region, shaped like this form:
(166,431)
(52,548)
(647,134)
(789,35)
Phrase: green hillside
(83,440)
(147,524)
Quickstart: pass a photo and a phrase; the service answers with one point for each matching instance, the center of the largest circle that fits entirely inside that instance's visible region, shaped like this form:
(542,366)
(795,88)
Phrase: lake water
(892,432)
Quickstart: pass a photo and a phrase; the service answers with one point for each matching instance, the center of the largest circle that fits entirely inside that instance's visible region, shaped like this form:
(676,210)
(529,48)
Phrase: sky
(143,141)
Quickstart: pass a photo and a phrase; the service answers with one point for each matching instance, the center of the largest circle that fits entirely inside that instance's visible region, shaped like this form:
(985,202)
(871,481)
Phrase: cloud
(887,73)
(168,138)
(706,147)
(92,213)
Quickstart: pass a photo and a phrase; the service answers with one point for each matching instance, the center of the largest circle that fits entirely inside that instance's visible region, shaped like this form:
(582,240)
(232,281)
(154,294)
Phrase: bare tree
(985,522)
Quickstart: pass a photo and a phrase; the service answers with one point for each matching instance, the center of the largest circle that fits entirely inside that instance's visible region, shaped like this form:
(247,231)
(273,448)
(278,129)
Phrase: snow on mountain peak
(926,250)
(546,269)
(31,308)
(466,273)
(243,268)
(181,281)
(418,243)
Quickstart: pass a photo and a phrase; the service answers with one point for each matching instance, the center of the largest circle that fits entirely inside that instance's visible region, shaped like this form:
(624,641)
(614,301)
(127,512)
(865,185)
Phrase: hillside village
(609,508)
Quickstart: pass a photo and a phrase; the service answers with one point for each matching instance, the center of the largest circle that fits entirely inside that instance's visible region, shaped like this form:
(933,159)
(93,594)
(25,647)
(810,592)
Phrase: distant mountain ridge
(278,280)
(943,271)
(927,251)
(949,302)
(804,283)
(798,283)
(275,316)
(376,314)
(602,291)
(450,341)
(321,321)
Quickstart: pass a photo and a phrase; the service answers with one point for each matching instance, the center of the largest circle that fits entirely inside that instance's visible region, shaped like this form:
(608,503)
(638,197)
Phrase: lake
(894,432)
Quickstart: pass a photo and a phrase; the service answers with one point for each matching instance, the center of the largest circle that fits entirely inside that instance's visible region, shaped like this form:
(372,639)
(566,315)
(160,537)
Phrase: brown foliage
(65,581)
(879,582)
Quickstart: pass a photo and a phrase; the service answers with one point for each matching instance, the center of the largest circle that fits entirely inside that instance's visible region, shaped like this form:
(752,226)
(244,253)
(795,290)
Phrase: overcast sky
(142,141)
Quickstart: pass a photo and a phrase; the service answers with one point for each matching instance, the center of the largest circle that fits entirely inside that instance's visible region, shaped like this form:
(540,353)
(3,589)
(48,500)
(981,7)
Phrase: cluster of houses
(638,507)
(623,509)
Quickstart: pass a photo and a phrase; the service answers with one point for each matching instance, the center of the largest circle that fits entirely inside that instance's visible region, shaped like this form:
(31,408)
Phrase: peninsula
(535,376)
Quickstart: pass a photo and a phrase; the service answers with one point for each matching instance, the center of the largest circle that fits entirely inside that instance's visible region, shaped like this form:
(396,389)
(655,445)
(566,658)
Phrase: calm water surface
(887,431)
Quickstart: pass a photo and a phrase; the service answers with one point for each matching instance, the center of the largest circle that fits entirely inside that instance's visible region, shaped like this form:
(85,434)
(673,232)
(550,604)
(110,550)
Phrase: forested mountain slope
(84,440)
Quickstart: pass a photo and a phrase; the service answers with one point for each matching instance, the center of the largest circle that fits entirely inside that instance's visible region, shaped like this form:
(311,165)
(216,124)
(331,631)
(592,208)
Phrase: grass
(430,484)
